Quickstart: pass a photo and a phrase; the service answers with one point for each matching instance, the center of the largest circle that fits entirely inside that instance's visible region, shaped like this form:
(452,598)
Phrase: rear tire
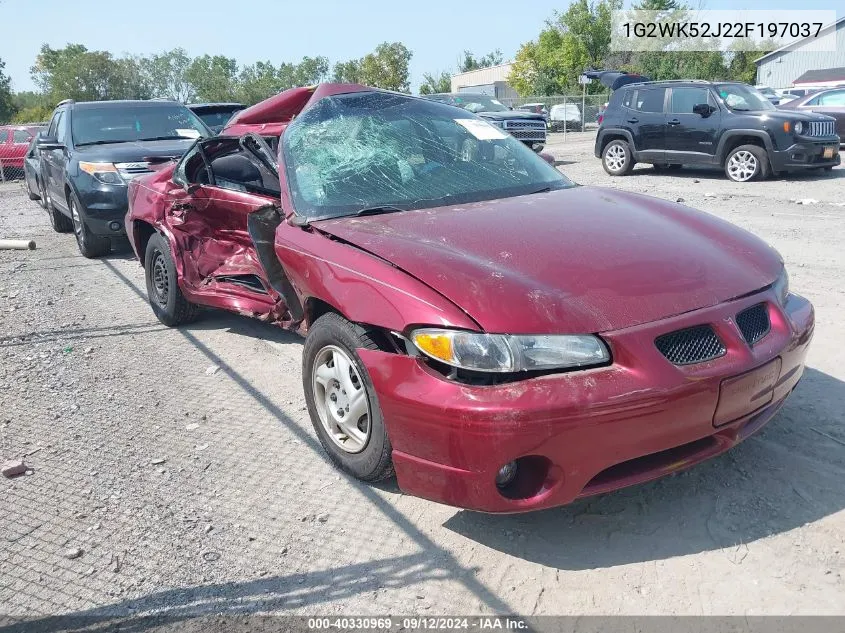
(366,451)
(32,196)
(617,159)
(163,292)
(746,163)
(58,220)
(90,245)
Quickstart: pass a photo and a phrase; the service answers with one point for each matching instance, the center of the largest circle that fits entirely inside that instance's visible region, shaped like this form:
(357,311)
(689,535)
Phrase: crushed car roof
(269,117)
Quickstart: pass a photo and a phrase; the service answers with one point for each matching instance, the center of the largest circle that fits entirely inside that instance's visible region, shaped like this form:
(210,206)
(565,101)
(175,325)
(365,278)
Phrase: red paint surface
(583,260)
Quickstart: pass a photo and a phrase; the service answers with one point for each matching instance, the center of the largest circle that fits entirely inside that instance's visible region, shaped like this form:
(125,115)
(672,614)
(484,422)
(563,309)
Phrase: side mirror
(48,143)
(548,158)
(703,109)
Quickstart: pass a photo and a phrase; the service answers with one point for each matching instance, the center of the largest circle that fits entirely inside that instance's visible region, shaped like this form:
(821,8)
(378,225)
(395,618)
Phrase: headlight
(781,287)
(799,127)
(505,353)
(106,173)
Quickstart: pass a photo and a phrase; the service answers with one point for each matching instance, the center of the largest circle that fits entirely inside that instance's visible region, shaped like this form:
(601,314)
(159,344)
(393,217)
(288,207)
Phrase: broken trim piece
(262,224)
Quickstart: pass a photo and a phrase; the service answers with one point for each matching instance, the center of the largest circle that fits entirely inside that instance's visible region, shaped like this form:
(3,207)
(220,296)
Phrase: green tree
(7,106)
(432,84)
(167,74)
(572,41)
(213,78)
(469,61)
(74,72)
(347,72)
(387,67)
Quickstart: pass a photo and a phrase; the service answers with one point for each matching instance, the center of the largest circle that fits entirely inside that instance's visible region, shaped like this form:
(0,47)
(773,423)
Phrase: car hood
(569,261)
(510,115)
(132,151)
(778,116)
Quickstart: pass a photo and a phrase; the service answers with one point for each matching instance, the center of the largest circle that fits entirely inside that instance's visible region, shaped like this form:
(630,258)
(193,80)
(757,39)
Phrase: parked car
(215,115)
(565,116)
(32,170)
(828,102)
(770,94)
(674,123)
(535,108)
(14,141)
(528,127)
(90,152)
(420,251)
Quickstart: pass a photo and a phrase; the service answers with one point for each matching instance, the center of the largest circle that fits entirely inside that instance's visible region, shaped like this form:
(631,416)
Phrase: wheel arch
(615,134)
(734,138)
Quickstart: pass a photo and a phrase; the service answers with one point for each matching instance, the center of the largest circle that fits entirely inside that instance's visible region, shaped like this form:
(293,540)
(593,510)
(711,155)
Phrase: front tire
(617,159)
(746,163)
(90,245)
(163,292)
(342,401)
(29,192)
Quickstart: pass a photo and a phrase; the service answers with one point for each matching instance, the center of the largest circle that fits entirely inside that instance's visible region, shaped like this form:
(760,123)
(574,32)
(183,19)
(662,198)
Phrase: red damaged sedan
(501,338)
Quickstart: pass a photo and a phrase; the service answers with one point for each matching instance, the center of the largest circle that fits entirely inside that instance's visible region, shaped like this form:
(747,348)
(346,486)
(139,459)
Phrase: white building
(783,67)
(491,81)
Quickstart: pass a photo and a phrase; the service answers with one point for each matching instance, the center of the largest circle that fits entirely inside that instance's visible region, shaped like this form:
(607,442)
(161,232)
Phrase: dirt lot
(190,489)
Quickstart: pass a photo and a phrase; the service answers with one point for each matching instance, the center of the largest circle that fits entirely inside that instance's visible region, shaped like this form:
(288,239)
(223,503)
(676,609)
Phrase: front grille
(691,345)
(131,170)
(535,125)
(820,128)
(754,323)
(528,135)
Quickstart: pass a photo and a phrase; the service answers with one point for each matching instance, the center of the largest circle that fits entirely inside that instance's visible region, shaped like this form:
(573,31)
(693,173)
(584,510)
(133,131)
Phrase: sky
(437,31)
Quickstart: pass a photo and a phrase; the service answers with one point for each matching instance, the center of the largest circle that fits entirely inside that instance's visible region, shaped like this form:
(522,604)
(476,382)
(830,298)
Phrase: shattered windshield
(355,152)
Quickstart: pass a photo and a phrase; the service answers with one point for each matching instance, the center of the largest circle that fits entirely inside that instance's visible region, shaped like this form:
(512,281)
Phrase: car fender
(727,135)
(363,287)
(615,131)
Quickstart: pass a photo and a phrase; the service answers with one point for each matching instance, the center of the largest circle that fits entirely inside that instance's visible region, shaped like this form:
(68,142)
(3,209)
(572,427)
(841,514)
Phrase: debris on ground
(156,461)
(73,553)
(13,468)
(212,370)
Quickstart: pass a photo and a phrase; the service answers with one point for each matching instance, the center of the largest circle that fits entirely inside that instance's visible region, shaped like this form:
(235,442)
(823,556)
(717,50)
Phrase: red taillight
(601,118)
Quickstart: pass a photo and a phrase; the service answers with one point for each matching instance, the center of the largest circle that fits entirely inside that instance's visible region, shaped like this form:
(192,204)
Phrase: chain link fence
(15,145)
(564,113)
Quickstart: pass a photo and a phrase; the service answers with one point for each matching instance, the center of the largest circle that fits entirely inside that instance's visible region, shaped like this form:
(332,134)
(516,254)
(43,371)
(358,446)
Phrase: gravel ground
(175,470)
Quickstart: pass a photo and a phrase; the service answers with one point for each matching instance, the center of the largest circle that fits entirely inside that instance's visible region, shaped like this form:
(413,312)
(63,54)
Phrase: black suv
(731,125)
(92,149)
(528,127)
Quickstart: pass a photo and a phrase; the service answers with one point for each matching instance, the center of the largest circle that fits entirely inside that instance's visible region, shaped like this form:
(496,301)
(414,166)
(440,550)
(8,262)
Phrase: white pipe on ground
(17,245)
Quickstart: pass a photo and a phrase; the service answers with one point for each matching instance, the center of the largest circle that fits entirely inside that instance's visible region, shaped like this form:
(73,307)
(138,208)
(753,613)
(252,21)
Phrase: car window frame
(706,89)
(666,93)
(837,93)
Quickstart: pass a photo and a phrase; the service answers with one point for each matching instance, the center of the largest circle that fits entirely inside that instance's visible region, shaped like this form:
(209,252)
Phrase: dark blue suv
(91,150)
(730,125)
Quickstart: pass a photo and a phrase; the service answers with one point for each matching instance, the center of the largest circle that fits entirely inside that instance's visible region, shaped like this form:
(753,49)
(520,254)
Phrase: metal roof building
(791,63)
(492,81)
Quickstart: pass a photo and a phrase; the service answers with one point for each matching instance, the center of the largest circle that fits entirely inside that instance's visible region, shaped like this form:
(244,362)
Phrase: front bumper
(806,155)
(584,432)
(104,207)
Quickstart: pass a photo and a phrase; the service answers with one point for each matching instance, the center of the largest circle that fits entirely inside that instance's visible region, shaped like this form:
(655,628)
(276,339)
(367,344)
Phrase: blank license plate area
(745,394)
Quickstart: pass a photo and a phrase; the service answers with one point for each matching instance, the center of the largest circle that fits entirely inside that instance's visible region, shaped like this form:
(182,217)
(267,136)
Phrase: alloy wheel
(742,166)
(341,399)
(615,157)
(161,282)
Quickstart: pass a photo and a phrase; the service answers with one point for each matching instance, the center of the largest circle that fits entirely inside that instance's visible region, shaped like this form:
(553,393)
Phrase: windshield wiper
(378,210)
(172,137)
(106,142)
(543,190)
